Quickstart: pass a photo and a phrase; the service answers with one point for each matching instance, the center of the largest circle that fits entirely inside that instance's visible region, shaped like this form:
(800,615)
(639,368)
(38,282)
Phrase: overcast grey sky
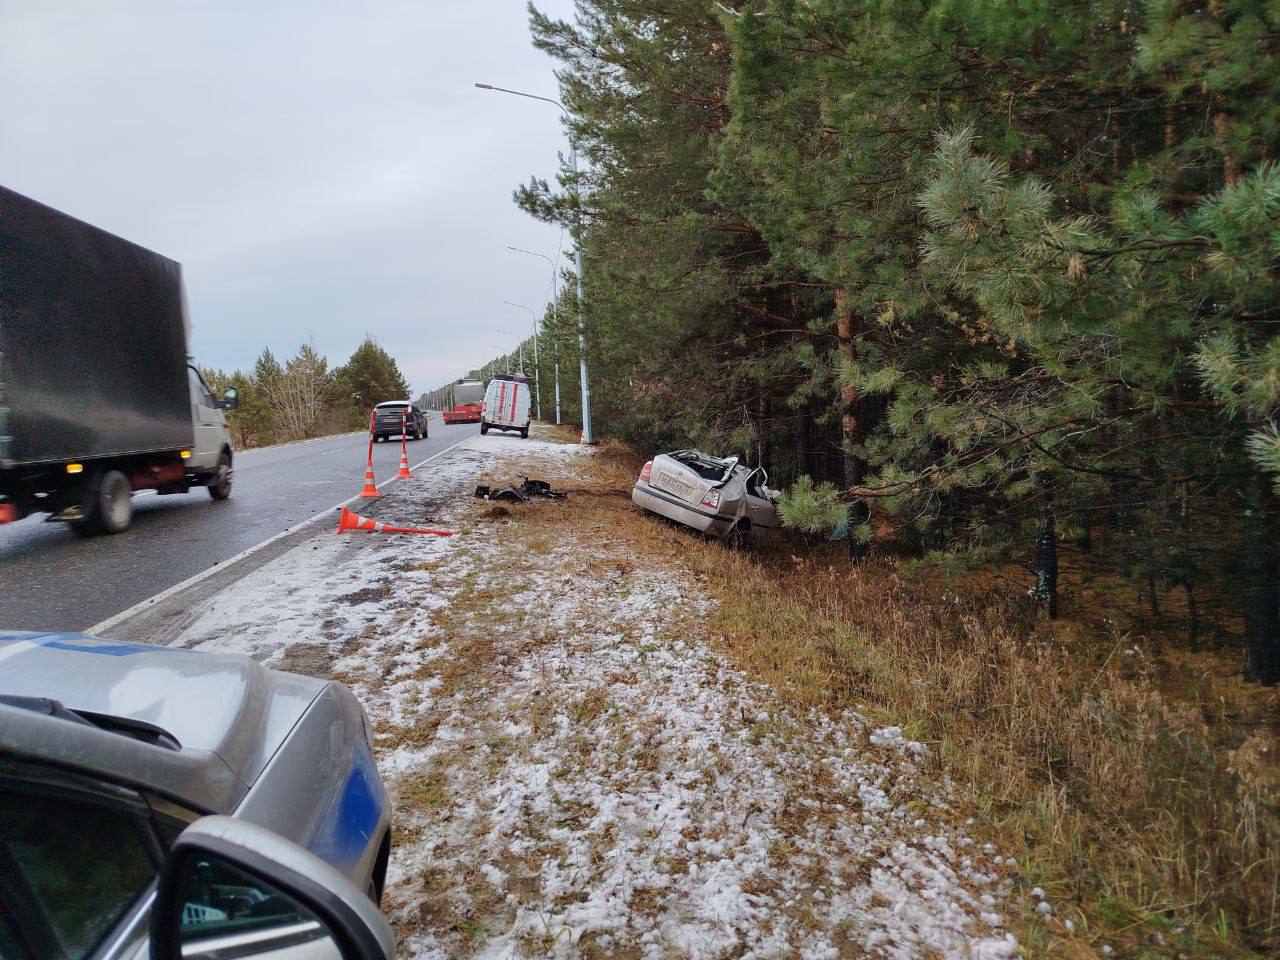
(320,169)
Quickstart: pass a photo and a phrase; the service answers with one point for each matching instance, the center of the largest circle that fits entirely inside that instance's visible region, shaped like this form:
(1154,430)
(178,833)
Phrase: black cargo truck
(97,395)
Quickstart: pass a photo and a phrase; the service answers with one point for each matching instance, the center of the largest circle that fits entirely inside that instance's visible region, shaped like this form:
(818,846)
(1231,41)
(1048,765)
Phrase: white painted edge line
(224,564)
(297,443)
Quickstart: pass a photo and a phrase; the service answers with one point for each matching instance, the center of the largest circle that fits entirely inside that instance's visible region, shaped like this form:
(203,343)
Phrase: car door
(760,508)
(208,422)
(521,415)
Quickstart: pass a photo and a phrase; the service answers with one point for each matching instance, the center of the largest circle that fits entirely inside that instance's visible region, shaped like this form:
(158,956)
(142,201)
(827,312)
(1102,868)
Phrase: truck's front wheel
(109,505)
(220,485)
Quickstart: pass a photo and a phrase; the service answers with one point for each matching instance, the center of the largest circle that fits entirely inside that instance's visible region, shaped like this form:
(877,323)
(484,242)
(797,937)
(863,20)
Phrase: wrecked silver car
(713,495)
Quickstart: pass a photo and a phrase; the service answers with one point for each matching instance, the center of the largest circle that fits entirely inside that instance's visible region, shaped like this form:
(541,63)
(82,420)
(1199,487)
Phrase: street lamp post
(555,299)
(537,374)
(554,319)
(519,348)
(577,262)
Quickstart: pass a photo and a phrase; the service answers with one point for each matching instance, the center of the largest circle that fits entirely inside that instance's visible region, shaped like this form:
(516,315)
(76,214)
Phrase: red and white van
(506,404)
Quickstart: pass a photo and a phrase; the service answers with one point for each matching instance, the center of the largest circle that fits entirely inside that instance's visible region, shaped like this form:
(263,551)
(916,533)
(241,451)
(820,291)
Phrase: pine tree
(369,377)
(257,413)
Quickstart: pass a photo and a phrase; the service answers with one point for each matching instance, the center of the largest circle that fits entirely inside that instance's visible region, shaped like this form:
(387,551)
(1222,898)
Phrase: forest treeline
(987,283)
(303,397)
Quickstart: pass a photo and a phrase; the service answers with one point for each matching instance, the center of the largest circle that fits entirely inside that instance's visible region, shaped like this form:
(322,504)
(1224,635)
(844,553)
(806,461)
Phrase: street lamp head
(521,93)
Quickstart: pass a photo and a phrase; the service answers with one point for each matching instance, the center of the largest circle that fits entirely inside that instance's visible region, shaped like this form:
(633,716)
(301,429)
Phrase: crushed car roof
(222,716)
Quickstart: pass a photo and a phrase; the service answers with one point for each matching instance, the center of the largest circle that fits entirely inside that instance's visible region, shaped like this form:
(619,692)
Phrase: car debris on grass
(526,491)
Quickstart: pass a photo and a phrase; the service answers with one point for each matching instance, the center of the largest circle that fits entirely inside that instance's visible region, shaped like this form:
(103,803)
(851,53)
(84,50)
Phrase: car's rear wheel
(108,506)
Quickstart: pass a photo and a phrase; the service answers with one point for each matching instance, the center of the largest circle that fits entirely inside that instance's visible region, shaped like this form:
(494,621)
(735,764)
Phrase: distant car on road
(716,496)
(110,751)
(391,414)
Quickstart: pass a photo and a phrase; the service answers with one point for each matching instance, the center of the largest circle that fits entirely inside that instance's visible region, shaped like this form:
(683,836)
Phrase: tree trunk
(850,425)
(1262,583)
(763,434)
(1046,589)
(800,435)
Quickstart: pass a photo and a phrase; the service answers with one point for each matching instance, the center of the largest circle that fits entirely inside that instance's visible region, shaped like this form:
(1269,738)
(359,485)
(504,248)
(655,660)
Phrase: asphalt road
(54,579)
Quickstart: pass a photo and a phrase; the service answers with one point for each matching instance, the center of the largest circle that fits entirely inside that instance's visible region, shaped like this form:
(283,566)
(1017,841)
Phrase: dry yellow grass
(1126,783)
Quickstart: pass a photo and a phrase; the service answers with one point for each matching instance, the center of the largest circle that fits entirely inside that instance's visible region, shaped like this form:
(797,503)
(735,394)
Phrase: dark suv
(388,418)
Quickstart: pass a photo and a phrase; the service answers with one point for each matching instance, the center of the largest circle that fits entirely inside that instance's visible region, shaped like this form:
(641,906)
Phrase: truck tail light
(712,499)
(8,513)
(646,471)
(75,468)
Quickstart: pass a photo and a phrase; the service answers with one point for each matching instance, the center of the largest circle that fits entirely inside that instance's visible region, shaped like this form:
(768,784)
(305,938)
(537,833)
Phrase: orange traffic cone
(404,473)
(353,521)
(370,488)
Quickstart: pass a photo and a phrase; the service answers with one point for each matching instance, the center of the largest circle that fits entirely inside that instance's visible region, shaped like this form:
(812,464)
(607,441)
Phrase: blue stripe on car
(79,643)
(347,829)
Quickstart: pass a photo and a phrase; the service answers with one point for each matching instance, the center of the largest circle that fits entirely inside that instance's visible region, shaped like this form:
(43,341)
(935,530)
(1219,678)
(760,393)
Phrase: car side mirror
(230,399)
(230,888)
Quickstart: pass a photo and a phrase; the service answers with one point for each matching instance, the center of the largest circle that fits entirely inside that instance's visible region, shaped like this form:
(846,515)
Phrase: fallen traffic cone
(370,488)
(353,521)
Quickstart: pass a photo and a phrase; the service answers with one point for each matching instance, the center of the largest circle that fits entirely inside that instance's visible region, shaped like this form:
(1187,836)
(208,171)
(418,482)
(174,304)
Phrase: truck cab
(209,423)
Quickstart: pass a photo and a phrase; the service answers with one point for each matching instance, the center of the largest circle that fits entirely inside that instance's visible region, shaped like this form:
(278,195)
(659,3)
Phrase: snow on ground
(578,773)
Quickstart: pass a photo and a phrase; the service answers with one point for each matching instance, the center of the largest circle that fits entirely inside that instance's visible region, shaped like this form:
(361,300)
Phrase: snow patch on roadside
(660,805)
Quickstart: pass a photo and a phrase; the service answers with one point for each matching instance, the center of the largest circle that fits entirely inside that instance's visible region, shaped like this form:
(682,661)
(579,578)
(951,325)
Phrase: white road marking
(222,565)
(296,443)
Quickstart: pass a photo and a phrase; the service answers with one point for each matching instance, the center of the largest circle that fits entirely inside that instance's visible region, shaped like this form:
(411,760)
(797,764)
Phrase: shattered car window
(708,468)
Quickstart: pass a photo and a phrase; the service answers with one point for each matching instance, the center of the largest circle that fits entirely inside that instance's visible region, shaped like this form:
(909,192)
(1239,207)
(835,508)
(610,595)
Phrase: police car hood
(224,709)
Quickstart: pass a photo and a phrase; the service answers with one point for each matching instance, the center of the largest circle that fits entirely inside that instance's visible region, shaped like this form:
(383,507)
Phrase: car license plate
(680,488)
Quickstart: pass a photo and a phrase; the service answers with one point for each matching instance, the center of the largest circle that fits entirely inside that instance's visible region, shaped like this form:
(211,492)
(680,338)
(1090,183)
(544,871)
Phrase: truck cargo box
(93,341)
